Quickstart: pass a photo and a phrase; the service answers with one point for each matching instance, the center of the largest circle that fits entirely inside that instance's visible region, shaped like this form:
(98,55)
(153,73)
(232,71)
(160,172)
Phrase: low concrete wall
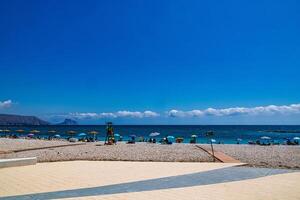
(17,162)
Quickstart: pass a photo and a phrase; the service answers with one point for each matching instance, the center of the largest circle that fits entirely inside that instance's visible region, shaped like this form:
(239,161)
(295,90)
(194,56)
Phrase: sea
(224,134)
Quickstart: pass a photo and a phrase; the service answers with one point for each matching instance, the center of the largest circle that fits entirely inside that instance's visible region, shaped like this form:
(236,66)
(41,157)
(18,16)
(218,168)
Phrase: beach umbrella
(296,138)
(57,136)
(170,137)
(34,131)
(209,133)
(81,134)
(194,136)
(213,141)
(265,138)
(116,135)
(94,133)
(52,131)
(6,131)
(30,135)
(154,134)
(238,140)
(71,132)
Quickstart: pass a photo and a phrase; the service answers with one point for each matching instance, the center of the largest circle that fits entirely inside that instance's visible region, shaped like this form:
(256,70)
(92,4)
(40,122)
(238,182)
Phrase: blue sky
(84,59)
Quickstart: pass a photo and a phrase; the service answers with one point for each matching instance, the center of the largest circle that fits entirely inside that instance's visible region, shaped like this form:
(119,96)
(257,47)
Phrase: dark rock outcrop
(68,122)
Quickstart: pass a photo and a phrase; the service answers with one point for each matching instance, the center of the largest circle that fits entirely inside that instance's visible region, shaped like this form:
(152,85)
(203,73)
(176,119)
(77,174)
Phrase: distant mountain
(6,119)
(68,122)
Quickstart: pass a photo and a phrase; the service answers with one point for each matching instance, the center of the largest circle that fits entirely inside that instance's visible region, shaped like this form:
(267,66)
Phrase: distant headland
(22,120)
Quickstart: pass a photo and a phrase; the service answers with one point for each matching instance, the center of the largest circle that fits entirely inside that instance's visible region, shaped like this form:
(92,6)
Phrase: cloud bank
(270,109)
(118,114)
(6,104)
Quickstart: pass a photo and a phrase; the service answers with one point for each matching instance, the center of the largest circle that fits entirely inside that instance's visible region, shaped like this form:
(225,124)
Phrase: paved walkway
(147,180)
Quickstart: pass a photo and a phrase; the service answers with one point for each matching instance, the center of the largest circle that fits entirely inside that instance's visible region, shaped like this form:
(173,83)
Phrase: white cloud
(78,115)
(129,114)
(118,114)
(6,104)
(149,113)
(270,109)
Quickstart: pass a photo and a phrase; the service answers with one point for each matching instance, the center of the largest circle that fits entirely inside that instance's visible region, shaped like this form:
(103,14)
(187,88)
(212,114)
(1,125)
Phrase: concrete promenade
(147,180)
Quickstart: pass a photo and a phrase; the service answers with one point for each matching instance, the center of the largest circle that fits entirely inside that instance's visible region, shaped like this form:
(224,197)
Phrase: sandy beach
(266,156)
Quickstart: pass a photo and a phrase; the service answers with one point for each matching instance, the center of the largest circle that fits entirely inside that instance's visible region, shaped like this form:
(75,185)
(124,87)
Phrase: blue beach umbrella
(170,137)
(116,135)
(81,134)
(57,136)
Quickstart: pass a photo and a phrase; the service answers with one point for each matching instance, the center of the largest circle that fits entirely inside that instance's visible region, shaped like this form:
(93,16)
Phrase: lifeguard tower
(109,140)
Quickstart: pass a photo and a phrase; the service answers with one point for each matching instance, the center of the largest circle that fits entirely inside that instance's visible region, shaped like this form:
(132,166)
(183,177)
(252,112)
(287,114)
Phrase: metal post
(212,149)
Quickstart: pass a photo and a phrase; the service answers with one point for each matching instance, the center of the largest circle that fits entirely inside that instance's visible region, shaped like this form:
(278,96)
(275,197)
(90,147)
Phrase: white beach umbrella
(154,134)
(265,138)
(296,138)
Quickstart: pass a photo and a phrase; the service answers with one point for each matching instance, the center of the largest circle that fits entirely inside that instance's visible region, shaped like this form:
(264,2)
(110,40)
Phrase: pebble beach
(277,156)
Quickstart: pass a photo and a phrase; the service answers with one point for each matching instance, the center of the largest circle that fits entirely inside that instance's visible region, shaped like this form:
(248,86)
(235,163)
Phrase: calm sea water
(225,134)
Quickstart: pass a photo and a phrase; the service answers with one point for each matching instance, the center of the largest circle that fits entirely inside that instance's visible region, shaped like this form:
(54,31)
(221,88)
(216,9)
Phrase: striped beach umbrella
(94,133)
(71,132)
(34,131)
(52,131)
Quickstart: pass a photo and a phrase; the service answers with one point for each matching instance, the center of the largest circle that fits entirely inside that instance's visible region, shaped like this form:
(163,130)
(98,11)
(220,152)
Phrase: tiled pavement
(147,180)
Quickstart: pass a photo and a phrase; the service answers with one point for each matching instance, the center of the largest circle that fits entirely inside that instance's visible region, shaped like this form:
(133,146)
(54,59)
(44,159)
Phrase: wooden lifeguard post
(110,139)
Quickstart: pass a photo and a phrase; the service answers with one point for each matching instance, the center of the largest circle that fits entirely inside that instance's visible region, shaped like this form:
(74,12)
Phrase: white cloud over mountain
(118,114)
(270,109)
(6,104)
